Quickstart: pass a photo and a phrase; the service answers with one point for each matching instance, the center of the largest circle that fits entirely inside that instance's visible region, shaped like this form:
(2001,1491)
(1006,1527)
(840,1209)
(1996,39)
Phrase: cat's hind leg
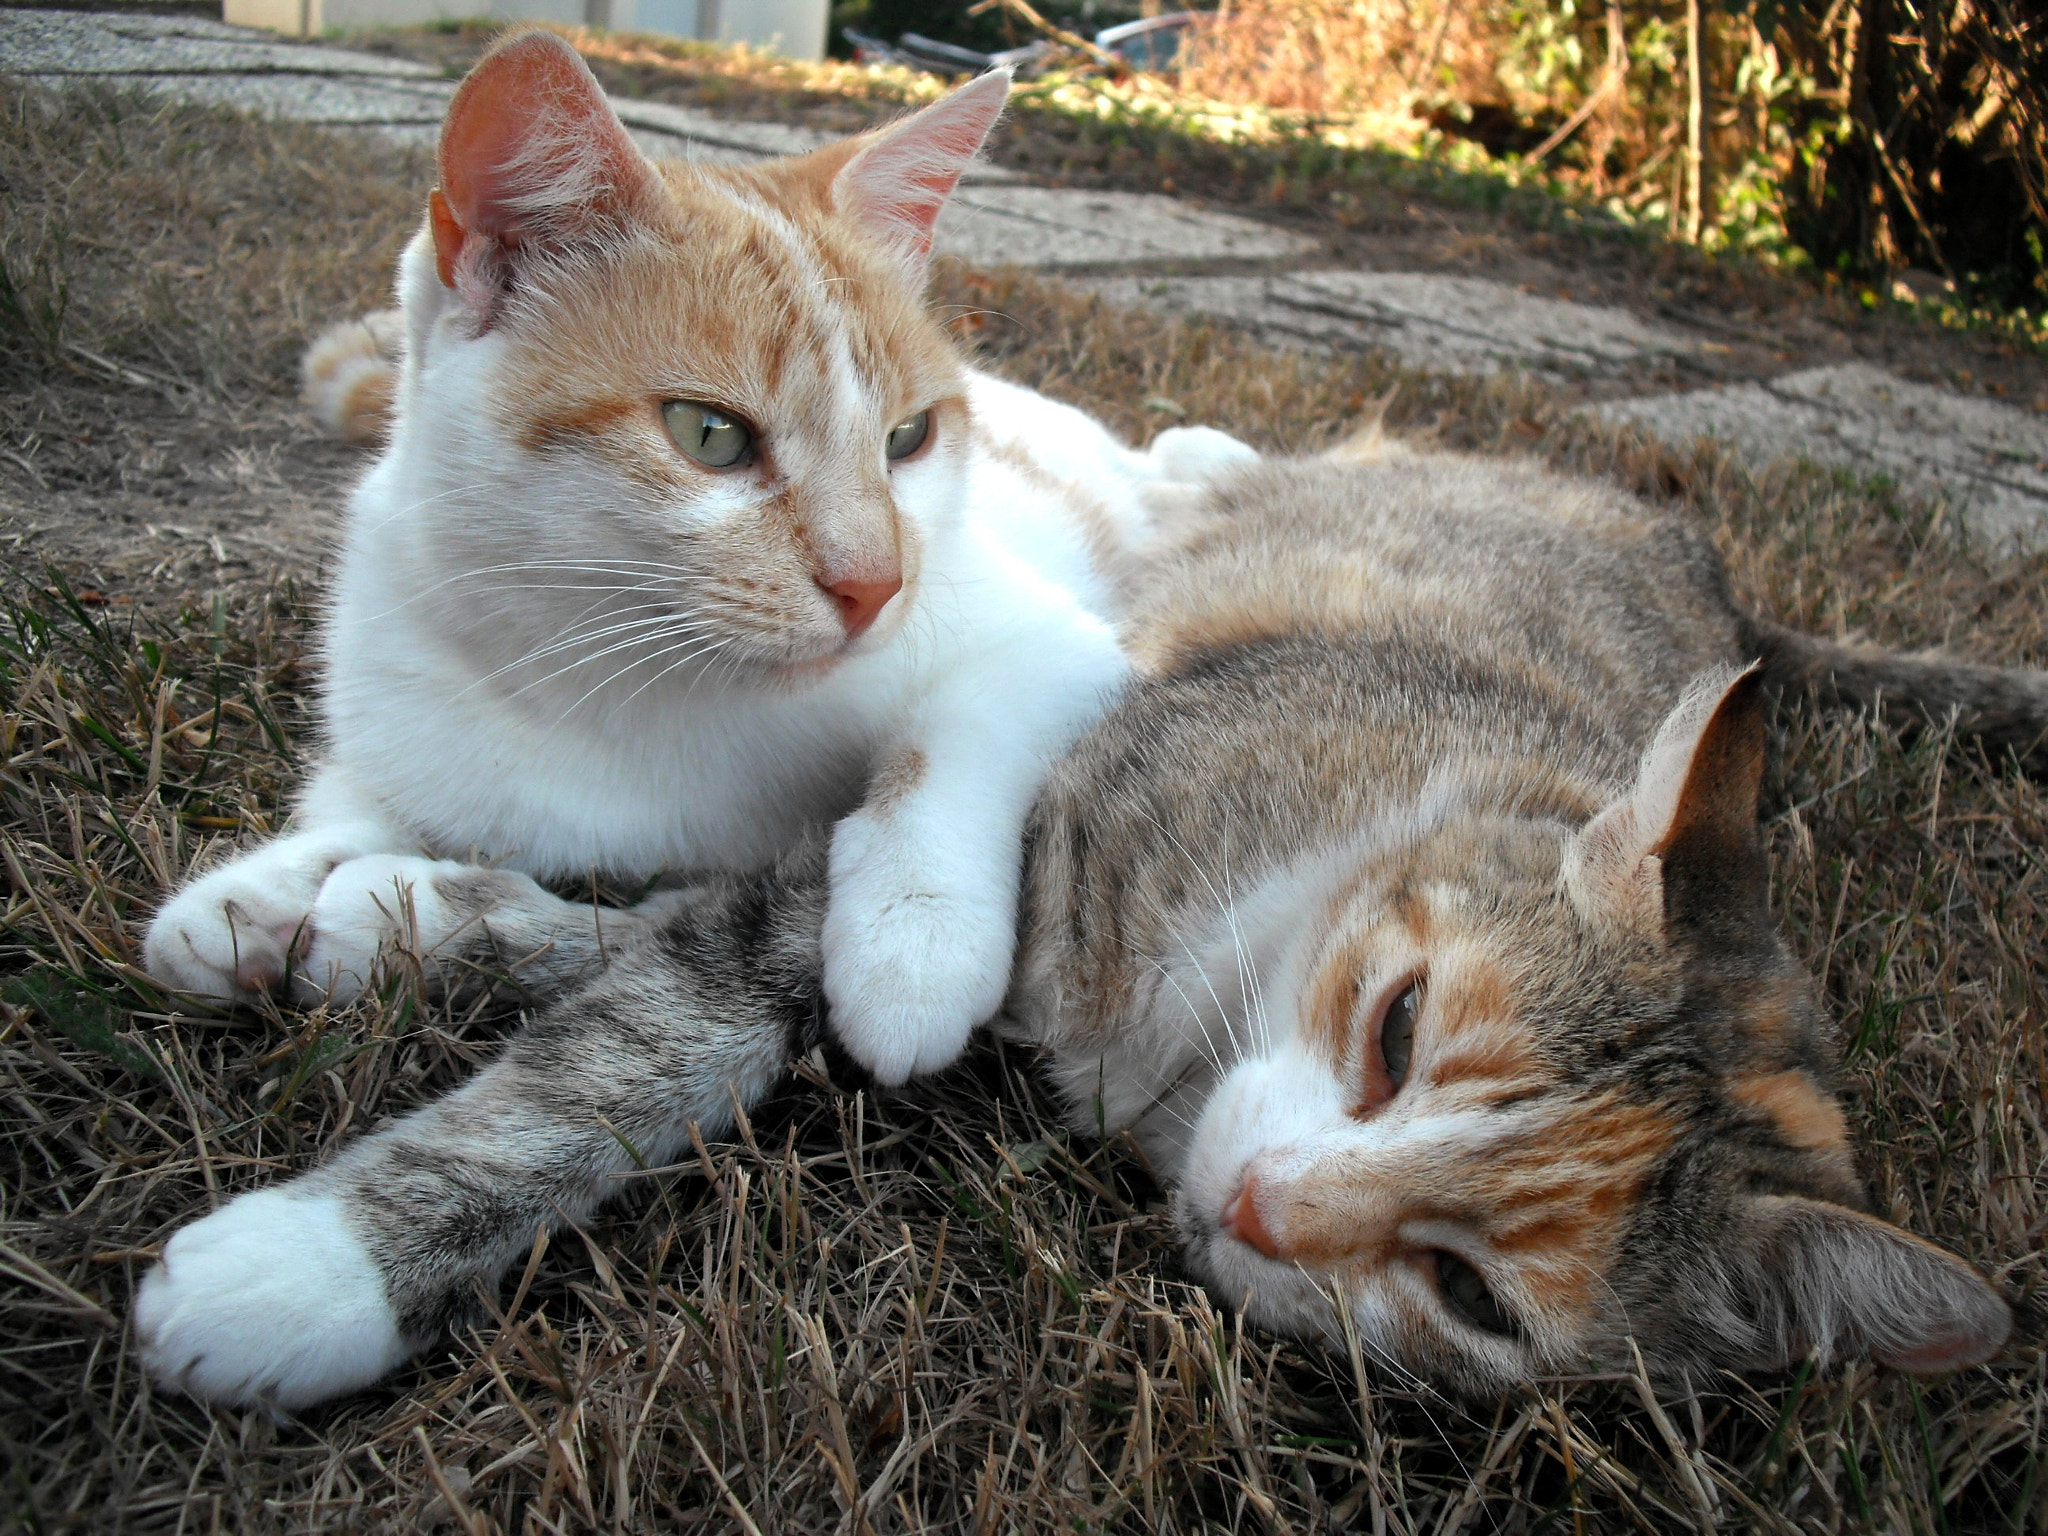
(290,1295)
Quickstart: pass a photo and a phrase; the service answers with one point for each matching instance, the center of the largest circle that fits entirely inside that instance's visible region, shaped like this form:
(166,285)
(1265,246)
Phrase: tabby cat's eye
(1397,1033)
(1388,1043)
(1468,1296)
(706,433)
(908,435)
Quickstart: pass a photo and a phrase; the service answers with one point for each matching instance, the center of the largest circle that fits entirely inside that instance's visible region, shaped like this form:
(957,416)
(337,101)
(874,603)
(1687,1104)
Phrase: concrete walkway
(995,219)
(1988,458)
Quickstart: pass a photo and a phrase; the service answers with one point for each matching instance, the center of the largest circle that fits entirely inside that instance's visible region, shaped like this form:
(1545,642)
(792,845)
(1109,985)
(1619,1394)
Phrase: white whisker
(645,571)
(632,643)
(664,622)
(707,653)
(599,686)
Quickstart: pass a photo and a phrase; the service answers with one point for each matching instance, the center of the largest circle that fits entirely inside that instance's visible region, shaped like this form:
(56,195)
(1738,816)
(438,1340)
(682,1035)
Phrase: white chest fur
(557,773)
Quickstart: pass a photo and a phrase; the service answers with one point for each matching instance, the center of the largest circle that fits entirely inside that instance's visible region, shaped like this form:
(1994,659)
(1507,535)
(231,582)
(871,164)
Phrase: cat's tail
(350,375)
(1370,442)
(2006,708)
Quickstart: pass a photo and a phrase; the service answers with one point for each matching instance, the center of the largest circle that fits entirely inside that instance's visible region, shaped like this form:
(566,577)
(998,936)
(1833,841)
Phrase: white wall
(794,28)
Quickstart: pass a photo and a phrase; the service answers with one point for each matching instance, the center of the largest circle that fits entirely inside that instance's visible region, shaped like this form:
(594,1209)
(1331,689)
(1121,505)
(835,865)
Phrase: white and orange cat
(692,534)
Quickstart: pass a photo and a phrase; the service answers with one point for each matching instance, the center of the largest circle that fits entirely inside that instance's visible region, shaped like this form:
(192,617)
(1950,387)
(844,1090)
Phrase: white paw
(370,910)
(913,961)
(271,1299)
(1198,453)
(231,933)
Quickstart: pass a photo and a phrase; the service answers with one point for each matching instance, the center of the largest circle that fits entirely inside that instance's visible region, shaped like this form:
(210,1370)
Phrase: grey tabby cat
(1411,912)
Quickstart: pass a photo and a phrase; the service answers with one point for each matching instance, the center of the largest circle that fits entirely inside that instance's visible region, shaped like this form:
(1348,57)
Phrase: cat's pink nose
(860,602)
(1242,1221)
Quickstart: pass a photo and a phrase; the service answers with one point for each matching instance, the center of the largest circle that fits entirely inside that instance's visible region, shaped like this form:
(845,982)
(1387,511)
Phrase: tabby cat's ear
(1681,849)
(900,179)
(1844,1283)
(533,160)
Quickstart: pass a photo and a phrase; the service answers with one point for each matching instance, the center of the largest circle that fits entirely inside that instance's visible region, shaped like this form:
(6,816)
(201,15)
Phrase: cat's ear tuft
(1837,1281)
(533,161)
(896,184)
(1682,847)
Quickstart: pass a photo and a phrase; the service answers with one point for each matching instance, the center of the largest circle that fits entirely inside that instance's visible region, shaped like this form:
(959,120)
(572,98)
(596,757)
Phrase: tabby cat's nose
(1242,1221)
(861,601)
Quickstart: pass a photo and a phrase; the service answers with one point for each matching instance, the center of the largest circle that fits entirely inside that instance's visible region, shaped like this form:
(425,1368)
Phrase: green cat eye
(706,433)
(1397,1033)
(908,435)
(1468,1296)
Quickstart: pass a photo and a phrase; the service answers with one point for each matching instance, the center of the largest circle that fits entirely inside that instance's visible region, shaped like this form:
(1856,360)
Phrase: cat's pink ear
(1838,1281)
(533,162)
(1682,845)
(896,184)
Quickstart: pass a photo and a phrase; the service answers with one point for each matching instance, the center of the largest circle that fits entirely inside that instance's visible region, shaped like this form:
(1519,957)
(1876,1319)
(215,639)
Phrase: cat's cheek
(271,1300)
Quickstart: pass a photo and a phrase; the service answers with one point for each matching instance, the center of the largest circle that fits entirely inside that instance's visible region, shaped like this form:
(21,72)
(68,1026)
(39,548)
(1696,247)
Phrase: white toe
(272,1299)
(230,932)
(367,910)
(908,979)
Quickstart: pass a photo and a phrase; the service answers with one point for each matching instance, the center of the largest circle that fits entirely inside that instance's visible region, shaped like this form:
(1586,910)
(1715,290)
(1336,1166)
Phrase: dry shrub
(1323,56)
(1870,135)
(1927,139)
(935,1310)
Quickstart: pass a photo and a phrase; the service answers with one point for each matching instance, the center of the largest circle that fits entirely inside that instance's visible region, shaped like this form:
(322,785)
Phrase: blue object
(1151,44)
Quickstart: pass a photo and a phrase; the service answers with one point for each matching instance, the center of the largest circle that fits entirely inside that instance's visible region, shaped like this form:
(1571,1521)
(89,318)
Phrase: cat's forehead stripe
(827,333)
(581,420)
(835,338)
(1335,999)
(873,352)
(798,338)
(1474,1045)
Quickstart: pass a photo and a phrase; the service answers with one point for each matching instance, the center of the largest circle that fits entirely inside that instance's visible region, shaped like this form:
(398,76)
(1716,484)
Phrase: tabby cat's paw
(912,964)
(273,1300)
(231,933)
(375,908)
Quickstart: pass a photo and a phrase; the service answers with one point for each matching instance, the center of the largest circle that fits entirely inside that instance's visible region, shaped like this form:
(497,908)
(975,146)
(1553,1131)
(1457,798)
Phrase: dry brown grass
(933,1310)
(159,270)
(195,252)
